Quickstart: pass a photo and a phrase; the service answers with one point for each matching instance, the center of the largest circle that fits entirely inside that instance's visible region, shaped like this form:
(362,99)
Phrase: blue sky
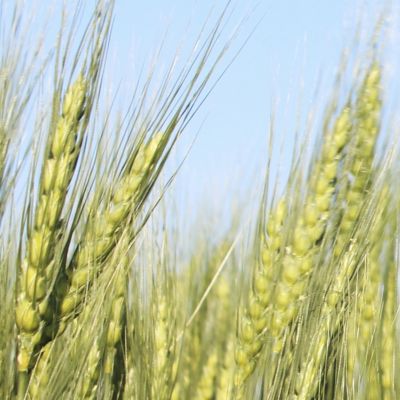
(293,51)
(295,45)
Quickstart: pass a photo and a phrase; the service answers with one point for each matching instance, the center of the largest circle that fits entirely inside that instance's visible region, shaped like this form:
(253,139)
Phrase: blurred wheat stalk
(95,300)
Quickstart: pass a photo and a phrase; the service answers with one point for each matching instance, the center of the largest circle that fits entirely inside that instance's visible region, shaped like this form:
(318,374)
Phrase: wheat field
(98,299)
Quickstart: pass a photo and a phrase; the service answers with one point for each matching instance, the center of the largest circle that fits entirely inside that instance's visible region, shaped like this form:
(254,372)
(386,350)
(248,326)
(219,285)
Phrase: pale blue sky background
(296,45)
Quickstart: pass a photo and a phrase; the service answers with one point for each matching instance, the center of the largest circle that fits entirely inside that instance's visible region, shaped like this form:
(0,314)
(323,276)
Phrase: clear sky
(294,45)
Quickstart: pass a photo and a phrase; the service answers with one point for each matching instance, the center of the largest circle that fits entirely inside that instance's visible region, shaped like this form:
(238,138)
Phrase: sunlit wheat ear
(366,124)
(65,138)
(104,358)
(103,233)
(310,227)
(334,303)
(255,318)
(36,270)
(82,348)
(299,258)
(94,340)
(365,315)
(307,377)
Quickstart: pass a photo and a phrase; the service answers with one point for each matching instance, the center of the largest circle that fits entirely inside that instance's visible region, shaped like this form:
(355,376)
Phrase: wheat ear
(365,132)
(37,268)
(299,259)
(365,315)
(306,380)
(334,303)
(104,231)
(254,322)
